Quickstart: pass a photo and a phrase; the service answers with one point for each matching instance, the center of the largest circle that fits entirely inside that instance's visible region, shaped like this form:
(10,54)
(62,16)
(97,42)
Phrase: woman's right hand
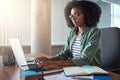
(41,59)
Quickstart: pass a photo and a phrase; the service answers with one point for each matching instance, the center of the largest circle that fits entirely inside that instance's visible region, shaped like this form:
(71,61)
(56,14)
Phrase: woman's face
(77,17)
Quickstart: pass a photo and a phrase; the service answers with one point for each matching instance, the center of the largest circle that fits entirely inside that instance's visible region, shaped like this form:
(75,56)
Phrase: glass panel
(115,15)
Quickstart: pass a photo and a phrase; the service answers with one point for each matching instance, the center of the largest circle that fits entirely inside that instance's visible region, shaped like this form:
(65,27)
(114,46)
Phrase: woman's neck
(81,30)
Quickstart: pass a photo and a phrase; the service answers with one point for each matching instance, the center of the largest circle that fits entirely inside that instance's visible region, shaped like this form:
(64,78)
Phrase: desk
(13,72)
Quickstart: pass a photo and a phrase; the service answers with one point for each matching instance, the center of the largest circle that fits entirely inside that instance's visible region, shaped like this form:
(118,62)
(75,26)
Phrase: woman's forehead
(75,10)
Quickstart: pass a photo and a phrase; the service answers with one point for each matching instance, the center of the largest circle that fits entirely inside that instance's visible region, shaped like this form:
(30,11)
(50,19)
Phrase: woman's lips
(75,24)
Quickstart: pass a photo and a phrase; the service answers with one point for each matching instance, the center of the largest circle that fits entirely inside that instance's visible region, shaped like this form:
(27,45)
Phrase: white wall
(58,24)
(15,21)
(105,19)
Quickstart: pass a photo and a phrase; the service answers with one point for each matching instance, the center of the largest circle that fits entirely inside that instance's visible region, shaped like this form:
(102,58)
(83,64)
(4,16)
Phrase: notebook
(83,70)
(21,60)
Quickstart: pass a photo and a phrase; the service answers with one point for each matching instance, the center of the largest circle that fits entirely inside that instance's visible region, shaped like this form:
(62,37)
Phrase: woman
(83,44)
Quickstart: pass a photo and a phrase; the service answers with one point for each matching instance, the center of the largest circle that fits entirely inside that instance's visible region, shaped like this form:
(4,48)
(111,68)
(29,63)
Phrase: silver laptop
(21,60)
(19,55)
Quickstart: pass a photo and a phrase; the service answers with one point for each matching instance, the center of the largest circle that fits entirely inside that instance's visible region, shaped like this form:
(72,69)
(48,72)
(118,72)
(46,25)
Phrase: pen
(81,78)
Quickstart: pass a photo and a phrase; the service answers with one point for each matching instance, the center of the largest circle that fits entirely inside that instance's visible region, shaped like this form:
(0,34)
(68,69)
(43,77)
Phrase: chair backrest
(110,54)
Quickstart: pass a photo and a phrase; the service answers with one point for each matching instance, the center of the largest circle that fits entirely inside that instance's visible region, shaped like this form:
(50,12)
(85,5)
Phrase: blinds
(115,15)
(112,1)
(14,21)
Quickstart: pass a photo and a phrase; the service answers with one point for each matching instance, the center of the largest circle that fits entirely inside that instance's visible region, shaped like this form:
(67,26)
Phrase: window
(14,21)
(115,15)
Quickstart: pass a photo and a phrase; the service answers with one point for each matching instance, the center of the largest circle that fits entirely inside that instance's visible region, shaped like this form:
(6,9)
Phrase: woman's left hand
(49,64)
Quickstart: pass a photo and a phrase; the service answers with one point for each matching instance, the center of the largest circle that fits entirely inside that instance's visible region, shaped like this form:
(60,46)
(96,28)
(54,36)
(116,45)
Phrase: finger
(49,64)
(36,59)
(40,65)
(40,62)
(40,59)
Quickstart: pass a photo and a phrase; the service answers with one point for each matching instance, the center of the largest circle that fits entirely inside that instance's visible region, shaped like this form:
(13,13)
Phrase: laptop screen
(18,52)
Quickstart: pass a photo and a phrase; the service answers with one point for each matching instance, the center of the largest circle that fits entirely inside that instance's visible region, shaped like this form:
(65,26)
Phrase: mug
(8,57)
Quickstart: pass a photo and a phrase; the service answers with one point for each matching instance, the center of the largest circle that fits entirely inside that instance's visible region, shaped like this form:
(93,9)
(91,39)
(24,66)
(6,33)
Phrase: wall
(15,21)
(59,30)
(105,20)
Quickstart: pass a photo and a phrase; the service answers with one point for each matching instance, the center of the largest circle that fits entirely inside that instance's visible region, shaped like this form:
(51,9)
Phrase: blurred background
(40,24)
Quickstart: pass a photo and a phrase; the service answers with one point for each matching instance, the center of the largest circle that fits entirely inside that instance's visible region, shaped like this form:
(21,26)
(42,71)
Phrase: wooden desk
(13,72)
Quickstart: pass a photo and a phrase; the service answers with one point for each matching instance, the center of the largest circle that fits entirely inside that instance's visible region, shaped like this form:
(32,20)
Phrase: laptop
(21,60)
(18,52)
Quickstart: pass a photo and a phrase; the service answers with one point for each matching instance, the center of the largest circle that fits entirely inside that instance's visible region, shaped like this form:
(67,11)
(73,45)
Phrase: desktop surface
(13,72)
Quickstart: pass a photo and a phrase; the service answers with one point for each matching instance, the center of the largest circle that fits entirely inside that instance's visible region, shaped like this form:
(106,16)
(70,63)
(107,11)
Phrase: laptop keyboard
(32,66)
(29,59)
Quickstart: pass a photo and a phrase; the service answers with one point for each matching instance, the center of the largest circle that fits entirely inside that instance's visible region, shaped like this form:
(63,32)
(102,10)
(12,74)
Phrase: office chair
(110,52)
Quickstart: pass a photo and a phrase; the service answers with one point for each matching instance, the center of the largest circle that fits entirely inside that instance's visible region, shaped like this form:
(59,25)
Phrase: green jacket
(91,47)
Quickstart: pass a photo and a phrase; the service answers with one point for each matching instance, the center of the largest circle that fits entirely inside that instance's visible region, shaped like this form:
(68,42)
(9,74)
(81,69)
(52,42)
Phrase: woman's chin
(75,25)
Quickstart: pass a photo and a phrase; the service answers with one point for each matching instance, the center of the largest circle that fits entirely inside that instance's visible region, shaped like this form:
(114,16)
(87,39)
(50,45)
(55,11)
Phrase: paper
(51,77)
(63,77)
(89,77)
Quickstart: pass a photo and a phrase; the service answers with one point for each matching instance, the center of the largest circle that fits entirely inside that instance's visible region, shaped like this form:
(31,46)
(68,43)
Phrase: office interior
(40,24)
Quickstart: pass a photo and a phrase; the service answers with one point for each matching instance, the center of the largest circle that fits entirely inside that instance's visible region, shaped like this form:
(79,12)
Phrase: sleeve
(90,49)
(65,53)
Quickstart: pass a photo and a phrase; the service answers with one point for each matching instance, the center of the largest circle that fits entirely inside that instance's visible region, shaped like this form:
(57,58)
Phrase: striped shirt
(76,47)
